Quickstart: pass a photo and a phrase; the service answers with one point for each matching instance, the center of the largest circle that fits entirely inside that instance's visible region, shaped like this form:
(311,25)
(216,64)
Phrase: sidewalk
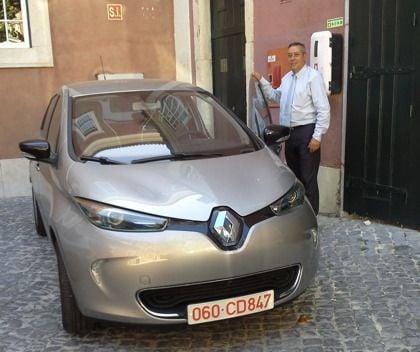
(366,297)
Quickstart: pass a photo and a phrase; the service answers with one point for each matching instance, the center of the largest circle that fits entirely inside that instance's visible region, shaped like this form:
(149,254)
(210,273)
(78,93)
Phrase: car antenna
(102,64)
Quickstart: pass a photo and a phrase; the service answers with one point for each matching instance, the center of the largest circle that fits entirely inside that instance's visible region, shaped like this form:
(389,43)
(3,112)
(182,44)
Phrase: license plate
(230,308)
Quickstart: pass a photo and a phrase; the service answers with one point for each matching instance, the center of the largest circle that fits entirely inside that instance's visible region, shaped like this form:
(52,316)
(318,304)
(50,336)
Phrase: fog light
(97,272)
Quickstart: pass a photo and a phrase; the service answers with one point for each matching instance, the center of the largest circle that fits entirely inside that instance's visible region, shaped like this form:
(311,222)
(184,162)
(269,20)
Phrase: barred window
(14,32)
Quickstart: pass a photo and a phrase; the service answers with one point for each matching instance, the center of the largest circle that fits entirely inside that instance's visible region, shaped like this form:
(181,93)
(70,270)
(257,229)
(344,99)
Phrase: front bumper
(112,272)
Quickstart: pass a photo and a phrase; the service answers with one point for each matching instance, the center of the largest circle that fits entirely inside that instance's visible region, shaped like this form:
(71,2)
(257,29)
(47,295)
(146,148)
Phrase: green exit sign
(335,22)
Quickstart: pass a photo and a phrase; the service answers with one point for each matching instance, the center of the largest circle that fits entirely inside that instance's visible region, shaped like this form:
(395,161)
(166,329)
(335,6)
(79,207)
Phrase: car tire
(39,225)
(73,320)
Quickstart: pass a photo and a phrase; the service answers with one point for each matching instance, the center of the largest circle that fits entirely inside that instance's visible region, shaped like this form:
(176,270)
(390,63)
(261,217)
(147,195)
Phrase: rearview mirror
(275,134)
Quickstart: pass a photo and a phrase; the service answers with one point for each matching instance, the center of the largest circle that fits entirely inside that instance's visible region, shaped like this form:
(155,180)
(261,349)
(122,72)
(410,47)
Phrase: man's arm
(269,92)
(322,107)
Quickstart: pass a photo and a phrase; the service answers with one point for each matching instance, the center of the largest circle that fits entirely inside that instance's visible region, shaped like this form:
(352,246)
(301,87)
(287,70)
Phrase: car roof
(126,85)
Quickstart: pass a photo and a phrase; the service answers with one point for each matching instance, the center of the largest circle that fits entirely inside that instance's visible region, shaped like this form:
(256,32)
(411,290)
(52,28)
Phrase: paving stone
(365,298)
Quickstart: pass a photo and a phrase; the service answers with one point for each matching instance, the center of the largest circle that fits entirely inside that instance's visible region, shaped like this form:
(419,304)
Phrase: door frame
(194,60)
(344,111)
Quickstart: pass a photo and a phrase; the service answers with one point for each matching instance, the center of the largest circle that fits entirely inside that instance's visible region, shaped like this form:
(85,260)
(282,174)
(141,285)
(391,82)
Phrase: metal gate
(382,160)
(228,50)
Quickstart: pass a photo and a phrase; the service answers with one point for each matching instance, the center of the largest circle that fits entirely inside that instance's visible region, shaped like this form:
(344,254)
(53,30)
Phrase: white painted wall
(182,40)
(202,44)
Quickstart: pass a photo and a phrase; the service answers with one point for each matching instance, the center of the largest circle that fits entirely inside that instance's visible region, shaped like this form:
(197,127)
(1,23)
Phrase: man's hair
(302,47)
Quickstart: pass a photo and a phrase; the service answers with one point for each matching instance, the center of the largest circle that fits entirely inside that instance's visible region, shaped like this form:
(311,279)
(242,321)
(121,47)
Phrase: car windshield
(133,127)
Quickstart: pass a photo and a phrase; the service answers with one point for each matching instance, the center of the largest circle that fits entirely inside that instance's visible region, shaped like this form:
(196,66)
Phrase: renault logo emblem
(225,227)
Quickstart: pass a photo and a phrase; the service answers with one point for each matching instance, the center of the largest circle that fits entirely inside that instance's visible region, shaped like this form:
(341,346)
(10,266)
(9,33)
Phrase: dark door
(228,50)
(382,161)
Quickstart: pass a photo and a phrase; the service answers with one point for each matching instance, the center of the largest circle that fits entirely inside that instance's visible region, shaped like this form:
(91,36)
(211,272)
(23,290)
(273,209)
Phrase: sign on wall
(335,22)
(115,12)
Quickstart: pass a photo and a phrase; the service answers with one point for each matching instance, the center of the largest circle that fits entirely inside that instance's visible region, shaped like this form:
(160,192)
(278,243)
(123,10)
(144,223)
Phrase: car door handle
(37,167)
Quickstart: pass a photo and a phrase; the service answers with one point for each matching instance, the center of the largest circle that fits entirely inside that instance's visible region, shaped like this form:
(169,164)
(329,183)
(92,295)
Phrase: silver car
(163,207)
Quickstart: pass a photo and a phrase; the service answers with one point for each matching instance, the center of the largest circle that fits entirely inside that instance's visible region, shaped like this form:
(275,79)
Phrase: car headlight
(118,219)
(294,197)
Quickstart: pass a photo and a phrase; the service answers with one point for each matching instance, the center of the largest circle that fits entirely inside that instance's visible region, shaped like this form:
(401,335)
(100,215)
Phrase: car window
(54,126)
(134,125)
(47,116)
(260,112)
(216,124)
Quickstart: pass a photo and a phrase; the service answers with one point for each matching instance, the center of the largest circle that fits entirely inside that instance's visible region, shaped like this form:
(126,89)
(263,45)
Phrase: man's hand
(256,75)
(314,145)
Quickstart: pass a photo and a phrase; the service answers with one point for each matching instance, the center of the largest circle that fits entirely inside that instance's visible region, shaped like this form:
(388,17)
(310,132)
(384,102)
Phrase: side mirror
(37,149)
(275,134)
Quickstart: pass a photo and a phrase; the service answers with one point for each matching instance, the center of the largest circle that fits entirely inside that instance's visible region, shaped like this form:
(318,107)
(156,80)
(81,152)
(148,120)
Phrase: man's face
(296,58)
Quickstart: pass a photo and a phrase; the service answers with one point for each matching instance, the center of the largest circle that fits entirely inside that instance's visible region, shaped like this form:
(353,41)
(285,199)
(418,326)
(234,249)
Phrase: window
(173,111)
(86,124)
(134,126)
(14,31)
(22,45)
(54,129)
(47,116)
(51,122)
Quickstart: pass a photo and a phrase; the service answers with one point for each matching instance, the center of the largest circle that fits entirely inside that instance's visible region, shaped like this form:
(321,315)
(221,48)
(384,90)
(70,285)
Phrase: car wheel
(39,225)
(73,320)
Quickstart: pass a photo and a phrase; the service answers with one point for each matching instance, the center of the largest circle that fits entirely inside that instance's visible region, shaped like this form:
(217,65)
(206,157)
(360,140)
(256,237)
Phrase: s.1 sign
(114,12)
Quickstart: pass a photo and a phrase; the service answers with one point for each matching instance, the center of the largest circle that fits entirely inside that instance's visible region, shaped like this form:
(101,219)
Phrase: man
(304,107)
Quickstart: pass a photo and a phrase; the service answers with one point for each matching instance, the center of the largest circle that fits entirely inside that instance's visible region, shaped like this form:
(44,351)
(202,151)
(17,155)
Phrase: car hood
(185,189)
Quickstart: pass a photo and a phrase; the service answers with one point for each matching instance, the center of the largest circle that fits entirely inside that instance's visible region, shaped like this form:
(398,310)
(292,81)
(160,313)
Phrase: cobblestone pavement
(366,298)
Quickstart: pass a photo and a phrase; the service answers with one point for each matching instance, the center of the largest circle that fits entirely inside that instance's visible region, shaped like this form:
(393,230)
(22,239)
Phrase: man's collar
(300,72)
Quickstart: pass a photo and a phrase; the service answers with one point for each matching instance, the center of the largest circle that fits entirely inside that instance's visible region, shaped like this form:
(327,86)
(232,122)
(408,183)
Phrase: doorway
(228,53)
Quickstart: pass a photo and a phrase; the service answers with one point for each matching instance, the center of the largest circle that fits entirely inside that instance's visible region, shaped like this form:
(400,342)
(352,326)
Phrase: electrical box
(276,66)
(326,57)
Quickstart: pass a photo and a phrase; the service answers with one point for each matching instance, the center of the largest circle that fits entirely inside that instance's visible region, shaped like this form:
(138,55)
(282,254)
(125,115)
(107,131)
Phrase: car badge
(226,228)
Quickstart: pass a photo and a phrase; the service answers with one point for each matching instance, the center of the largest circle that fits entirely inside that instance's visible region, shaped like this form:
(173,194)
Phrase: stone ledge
(14,178)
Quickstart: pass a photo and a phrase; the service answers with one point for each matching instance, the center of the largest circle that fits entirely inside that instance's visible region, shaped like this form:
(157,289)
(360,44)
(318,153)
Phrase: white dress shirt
(310,102)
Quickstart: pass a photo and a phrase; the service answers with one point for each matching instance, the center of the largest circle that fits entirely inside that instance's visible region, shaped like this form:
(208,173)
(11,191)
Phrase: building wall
(277,24)
(84,44)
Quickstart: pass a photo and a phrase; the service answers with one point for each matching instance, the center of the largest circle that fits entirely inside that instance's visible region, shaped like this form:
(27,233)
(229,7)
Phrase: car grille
(171,302)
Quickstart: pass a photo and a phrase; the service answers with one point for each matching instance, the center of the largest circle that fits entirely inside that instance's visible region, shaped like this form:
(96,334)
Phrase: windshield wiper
(101,159)
(179,156)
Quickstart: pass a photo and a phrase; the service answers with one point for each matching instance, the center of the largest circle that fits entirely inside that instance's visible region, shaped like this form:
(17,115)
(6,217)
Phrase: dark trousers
(304,164)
